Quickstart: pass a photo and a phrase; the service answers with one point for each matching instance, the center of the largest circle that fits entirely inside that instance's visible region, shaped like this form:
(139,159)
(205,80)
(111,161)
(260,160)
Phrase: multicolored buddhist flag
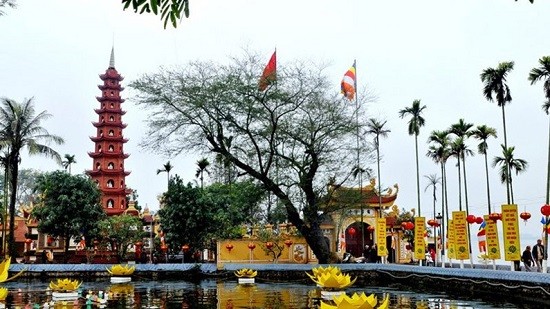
(349,83)
(482,238)
(270,73)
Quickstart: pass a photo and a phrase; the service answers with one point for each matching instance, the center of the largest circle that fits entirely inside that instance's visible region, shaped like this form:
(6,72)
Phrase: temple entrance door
(354,242)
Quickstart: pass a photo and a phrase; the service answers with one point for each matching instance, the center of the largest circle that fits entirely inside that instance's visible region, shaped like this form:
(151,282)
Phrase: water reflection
(220,295)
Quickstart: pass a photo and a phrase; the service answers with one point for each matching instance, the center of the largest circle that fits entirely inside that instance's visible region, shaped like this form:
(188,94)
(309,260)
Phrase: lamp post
(439,219)
(545,211)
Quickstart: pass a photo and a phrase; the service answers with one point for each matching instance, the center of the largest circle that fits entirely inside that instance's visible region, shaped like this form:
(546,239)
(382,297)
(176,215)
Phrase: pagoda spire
(112,60)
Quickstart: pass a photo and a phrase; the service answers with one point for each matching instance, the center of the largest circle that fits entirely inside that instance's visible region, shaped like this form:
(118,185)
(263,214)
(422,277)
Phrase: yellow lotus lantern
(318,271)
(246,273)
(121,273)
(65,285)
(246,276)
(356,301)
(3,294)
(334,282)
(4,268)
(121,270)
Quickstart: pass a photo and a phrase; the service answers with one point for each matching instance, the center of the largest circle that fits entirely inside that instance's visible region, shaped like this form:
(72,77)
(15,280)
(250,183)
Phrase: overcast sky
(432,50)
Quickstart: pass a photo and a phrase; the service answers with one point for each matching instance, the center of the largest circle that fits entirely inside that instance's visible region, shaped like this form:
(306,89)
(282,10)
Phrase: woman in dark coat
(527,258)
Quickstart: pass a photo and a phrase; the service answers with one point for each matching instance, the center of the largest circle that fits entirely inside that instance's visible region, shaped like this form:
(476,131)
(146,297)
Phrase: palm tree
(439,152)
(462,129)
(376,128)
(166,169)
(68,161)
(20,128)
(483,133)
(538,74)
(508,163)
(495,84)
(433,181)
(415,123)
(202,167)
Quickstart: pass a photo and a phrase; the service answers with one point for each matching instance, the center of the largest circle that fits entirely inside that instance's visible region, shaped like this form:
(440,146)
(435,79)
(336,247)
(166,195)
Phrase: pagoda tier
(113,98)
(109,87)
(105,110)
(108,157)
(109,124)
(107,172)
(108,139)
(111,74)
(97,155)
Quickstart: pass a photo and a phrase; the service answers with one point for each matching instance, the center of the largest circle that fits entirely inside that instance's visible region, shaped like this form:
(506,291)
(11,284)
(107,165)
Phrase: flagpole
(359,169)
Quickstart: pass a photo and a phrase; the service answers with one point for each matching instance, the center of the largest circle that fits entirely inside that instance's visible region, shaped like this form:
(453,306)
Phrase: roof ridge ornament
(112,60)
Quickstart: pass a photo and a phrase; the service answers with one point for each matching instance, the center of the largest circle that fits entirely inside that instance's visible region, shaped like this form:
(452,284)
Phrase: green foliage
(121,232)
(68,206)
(170,10)
(193,216)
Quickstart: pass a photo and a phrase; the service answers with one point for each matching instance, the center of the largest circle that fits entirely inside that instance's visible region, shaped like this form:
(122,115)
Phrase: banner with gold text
(381,236)
(493,243)
(462,245)
(510,231)
(419,242)
(451,240)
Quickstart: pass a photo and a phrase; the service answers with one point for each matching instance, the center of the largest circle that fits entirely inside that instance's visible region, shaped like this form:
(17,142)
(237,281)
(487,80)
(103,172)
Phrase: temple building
(108,155)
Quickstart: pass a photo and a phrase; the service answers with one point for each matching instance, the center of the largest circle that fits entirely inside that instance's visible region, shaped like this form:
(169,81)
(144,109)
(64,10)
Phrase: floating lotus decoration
(121,270)
(3,294)
(332,282)
(4,268)
(65,285)
(246,273)
(318,271)
(356,301)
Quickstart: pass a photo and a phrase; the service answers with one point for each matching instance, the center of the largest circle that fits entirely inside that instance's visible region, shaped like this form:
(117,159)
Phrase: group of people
(370,254)
(533,257)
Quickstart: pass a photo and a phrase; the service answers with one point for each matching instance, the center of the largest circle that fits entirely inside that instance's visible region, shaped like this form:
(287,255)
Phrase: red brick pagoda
(108,156)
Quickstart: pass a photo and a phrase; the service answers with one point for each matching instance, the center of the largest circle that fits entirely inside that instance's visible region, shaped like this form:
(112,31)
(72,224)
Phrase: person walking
(538,254)
(527,258)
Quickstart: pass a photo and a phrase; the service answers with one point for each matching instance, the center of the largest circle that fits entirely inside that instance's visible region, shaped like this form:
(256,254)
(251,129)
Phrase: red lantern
(185,248)
(288,243)
(409,226)
(251,246)
(525,216)
(471,219)
(545,210)
(370,228)
(352,231)
(229,247)
(269,245)
(432,222)
(479,220)
(494,216)
(404,225)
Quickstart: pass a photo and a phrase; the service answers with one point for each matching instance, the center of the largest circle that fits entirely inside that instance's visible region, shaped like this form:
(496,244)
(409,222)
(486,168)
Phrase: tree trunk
(14,169)
(417,174)
(507,165)
(487,178)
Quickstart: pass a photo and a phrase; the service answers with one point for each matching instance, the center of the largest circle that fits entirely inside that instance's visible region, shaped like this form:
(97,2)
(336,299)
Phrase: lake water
(227,294)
